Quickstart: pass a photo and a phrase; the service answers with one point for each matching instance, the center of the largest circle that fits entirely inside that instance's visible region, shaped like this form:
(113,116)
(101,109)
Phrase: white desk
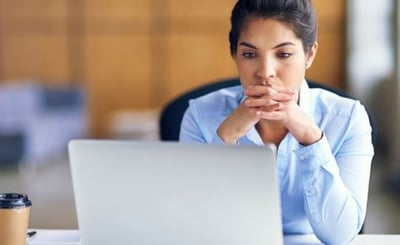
(71,237)
(55,237)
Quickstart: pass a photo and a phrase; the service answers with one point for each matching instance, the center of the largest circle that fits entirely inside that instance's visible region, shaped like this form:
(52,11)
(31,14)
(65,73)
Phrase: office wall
(137,54)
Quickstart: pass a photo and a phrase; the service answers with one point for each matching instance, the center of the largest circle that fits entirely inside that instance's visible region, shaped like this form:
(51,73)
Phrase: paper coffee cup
(14,218)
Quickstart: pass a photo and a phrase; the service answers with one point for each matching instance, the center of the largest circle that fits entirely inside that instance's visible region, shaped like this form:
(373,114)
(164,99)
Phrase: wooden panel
(41,9)
(218,26)
(193,9)
(117,72)
(117,27)
(198,46)
(328,67)
(197,59)
(42,57)
(117,9)
(330,9)
(122,16)
(330,64)
(37,27)
(138,54)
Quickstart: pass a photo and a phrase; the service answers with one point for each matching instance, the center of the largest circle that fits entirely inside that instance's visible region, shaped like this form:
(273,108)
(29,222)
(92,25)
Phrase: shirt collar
(305,102)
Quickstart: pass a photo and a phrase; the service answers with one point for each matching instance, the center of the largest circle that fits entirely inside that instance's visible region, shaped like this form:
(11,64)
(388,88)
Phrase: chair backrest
(172,113)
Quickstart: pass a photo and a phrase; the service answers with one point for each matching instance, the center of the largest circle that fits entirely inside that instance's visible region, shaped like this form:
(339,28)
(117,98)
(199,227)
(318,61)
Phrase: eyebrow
(275,47)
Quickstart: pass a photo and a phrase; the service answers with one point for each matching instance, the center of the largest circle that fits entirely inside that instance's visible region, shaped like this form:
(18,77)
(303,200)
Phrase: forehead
(267,28)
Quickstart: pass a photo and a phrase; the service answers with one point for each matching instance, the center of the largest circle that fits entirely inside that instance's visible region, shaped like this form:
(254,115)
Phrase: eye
(249,55)
(284,55)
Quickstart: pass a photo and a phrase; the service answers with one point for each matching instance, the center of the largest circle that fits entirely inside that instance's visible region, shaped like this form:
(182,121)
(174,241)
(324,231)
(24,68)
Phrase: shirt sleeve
(336,186)
(192,132)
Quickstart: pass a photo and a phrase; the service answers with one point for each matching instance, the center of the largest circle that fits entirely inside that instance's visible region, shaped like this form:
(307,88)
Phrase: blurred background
(105,69)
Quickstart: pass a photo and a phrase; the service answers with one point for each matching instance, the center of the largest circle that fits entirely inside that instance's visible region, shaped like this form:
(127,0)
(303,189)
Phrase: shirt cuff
(317,155)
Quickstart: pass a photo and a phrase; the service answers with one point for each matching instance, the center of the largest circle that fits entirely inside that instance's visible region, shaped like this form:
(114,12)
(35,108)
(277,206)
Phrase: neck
(271,131)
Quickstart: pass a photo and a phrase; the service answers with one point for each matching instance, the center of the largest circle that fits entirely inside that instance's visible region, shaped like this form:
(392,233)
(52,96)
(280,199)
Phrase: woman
(324,141)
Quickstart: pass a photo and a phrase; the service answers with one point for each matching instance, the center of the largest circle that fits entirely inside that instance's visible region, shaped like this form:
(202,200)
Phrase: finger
(282,93)
(256,90)
(270,115)
(271,97)
(259,102)
(269,108)
(282,89)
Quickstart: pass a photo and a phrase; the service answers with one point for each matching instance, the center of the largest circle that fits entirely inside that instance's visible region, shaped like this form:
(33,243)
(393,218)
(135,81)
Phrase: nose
(266,70)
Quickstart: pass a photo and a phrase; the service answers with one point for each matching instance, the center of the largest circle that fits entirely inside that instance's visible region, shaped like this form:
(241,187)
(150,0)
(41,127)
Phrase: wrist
(227,138)
(312,137)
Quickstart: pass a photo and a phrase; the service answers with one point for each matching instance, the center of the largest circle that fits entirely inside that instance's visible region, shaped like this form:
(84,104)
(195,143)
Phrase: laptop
(152,192)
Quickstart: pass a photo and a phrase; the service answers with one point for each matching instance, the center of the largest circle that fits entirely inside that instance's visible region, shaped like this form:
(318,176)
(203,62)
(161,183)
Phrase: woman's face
(270,52)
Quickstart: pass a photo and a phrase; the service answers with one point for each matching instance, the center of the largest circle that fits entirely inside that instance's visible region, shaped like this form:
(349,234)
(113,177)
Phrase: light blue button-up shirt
(323,186)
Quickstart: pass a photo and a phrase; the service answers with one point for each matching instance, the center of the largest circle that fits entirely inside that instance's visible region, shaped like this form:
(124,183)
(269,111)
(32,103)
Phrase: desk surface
(71,237)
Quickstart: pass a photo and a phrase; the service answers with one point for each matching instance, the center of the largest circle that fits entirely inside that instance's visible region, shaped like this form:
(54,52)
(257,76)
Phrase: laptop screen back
(137,192)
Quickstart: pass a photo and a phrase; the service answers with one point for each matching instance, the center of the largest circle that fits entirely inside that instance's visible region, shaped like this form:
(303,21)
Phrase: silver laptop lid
(137,192)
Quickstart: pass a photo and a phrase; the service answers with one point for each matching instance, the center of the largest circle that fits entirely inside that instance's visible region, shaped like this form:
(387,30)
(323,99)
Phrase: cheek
(245,69)
(240,64)
(293,75)
(246,66)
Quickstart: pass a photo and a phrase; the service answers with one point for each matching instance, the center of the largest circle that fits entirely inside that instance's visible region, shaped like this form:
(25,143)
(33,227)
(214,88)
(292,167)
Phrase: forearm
(333,201)
(190,130)
(331,207)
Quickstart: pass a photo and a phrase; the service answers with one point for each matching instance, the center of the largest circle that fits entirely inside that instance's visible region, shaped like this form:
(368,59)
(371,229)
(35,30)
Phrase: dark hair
(298,14)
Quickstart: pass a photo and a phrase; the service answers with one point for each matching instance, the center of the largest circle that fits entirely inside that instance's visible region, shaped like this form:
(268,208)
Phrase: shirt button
(302,157)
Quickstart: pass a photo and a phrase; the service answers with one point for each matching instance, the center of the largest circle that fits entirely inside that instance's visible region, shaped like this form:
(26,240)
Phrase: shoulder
(327,102)
(206,113)
(342,116)
(220,100)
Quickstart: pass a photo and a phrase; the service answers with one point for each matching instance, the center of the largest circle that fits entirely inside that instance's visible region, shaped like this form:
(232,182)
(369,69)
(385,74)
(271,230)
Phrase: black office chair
(172,113)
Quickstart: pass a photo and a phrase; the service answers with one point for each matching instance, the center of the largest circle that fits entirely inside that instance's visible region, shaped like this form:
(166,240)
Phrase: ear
(310,55)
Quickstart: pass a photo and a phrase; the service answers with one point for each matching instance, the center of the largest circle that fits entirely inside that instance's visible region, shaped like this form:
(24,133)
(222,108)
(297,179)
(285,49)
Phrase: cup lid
(14,200)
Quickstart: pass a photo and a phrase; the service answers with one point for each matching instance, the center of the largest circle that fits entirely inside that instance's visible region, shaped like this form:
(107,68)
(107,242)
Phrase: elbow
(338,233)
(332,238)
(342,226)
